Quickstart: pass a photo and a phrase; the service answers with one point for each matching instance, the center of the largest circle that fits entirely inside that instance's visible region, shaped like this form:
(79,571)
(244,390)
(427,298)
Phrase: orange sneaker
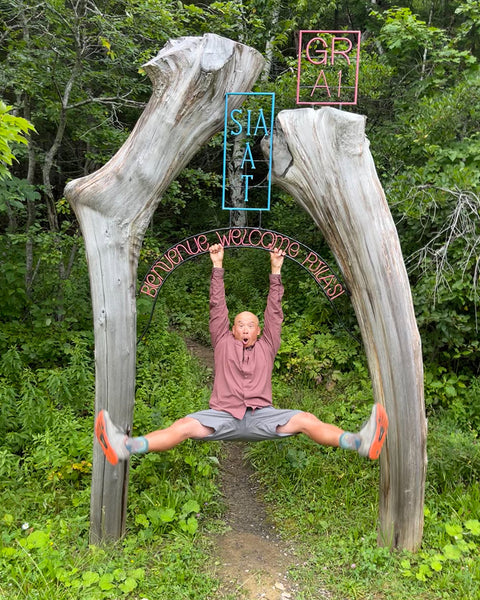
(111,438)
(373,433)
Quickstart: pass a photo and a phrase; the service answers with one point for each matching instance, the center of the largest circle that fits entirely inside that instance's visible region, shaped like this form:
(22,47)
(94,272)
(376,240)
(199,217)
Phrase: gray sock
(137,445)
(350,441)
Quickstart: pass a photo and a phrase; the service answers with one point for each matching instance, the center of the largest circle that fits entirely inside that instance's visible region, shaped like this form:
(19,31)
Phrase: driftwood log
(322,159)
(114,205)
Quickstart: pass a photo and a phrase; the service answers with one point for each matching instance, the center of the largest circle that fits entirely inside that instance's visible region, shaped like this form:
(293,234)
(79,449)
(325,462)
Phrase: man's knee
(188,427)
(306,421)
(302,422)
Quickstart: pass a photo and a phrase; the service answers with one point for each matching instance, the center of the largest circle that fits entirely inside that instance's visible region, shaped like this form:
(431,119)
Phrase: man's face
(246,329)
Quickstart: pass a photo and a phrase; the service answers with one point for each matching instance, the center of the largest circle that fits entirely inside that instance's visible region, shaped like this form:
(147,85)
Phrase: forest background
(72,87)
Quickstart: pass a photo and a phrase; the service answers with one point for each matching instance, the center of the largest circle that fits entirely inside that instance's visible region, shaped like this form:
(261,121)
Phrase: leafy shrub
(453,555)
(45,498)
(57,296)
(453,455)
(315,356)
(456,394)
(31,398)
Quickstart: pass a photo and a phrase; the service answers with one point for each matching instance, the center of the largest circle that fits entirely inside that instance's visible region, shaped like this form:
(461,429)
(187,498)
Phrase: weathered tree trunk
(322,158)
(114,205)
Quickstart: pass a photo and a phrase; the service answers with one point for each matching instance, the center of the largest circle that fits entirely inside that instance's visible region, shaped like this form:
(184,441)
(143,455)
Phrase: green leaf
(424,571)
(12,130)
(138,574)
(473,525)
(450,391)
(89,578)
(105,582)
(141,519)
(191,506)
(453,529)
(452,552)
(128,585)
(37,539)
(7,519)
(464,547)
(436,565)
(189,526)
(119,575)
(167,515)
(192,525)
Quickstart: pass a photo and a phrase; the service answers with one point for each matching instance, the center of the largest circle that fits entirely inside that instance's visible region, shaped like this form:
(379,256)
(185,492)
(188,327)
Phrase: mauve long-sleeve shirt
(243,376)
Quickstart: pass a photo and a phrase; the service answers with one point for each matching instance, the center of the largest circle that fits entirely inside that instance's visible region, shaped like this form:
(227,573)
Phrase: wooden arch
(322,159)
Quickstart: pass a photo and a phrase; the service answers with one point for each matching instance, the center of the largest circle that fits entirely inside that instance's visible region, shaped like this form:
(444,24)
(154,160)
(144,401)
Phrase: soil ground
(252,562)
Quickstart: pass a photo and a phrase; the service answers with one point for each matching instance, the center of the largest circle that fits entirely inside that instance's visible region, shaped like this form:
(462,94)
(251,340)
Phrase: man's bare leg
(367,442)
(116,445)
(320,432)
(179,431)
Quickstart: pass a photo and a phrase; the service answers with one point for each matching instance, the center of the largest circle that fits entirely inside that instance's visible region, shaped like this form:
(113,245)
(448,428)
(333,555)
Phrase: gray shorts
(256,425)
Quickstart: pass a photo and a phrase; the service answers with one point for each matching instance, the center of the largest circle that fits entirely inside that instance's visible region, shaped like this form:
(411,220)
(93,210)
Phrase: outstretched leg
(116,445)
(367,442)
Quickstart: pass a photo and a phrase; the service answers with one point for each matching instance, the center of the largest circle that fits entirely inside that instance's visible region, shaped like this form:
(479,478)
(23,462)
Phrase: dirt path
(252,561)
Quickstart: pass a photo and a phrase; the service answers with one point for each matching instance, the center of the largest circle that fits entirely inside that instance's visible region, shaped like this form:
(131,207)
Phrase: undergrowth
(45,468)
(325,501)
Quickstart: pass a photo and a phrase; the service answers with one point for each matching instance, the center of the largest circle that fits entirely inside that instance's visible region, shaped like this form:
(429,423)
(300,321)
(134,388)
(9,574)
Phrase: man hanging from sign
(241,401)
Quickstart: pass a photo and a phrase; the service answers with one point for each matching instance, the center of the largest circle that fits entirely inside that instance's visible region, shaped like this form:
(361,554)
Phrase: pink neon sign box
(328,63)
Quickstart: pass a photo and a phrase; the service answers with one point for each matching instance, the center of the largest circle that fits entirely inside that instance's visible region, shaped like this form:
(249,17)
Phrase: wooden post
(322,158)
(114,205)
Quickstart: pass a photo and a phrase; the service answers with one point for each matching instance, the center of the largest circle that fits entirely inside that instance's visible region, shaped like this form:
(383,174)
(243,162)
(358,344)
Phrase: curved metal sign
(242,237)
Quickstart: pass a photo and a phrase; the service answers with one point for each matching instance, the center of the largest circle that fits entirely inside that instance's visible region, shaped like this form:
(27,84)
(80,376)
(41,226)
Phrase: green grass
(45,564)
(323,500)
(327,501)
(45,469)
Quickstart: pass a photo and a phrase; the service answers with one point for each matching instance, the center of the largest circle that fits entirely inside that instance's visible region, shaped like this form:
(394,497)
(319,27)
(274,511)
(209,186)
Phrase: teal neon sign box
(244,129)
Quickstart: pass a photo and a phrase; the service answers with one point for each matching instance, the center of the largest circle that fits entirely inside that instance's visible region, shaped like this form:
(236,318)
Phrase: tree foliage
(13,131)
(74,71)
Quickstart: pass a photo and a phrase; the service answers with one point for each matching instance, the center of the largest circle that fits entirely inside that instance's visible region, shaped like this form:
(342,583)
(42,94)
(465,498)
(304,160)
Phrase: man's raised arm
(273,315)
(219,324)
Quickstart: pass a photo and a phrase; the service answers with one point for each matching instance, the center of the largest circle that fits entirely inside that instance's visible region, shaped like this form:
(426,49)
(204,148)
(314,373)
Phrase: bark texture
(114,205)
(322,158)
